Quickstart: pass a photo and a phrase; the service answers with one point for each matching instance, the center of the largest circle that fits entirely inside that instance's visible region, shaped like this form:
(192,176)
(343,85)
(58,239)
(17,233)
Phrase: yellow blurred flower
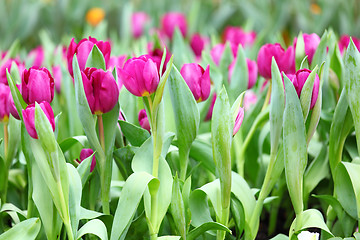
(94,16)
(315,8)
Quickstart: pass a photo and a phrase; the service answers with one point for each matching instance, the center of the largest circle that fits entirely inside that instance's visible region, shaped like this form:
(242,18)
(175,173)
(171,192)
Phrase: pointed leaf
(96,59)
(27,229)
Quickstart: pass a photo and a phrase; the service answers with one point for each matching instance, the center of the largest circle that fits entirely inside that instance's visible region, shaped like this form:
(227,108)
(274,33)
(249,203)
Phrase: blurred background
(63,19)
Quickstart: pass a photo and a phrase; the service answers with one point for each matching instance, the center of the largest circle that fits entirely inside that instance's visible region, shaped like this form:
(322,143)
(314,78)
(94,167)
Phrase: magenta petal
(151,76)
(238,121)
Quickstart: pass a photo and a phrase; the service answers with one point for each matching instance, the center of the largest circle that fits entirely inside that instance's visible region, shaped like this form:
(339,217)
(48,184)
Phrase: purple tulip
(143,120)
(101,90)
(197,44)
(237,36)
(299,80)
(29,117)
(344,42)
(250,99)
(252,72)
(156,55)
(85,153)
(7,65)
(37,85)
(171,20)
(12,109)
(115,61)
(284,59)
(4,102)
(311,42)
(138,22)
(238,121)
(218,50)
(38,55)
(197,79)
(140,76)
(83,49)
(56,70)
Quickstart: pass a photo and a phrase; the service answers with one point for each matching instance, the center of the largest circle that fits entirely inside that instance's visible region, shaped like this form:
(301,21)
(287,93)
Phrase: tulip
(344,43)
(85,153)
(82,51)
(140,76)
(37,85)
(38,55)
(29,117)
(115,61)
(12,109)
(211,108)
(101,90)
(143,120)
(171,20)
(299,80)
(252,72)
(197,79)
(237,36)
(311,42)
(250,99)
(7,65)
(284,59)
(238,121)
(197,44)
(57,77)
(156,55)
(4,102)
(218,50)
(138,22)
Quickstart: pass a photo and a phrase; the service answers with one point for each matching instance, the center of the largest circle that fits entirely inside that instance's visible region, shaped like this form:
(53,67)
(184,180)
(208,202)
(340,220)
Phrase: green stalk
(184,159)
(64,212)
(267,98)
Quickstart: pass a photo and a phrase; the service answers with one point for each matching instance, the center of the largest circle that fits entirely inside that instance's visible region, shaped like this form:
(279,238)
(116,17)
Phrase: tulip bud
(83,49)
(85,153)
(311,42)
(115,61)
(138,21)
(284,59)
(237,36)
(38,55)
(299,80)
(143,120)
(156,55)
(29,117)
(252,72)
(197,43)
(197,79)
(7,65)
(37,85)
(140,76)
(250,99)
(218,50)
(101,90)
(238,121)
(344,43)
(171,20)
(4,102)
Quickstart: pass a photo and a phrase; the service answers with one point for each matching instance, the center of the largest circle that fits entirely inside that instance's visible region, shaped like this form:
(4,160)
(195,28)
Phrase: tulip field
(169,120)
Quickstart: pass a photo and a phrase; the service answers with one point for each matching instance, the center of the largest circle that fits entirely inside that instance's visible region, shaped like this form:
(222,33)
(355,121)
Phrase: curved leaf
(96,59)
(27,229)
(193,234)
(95,227)
(134,134)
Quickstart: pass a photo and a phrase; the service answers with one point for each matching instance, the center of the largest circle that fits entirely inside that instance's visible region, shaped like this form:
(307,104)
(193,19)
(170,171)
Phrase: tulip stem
(267,98)
(101,131)
(6,139)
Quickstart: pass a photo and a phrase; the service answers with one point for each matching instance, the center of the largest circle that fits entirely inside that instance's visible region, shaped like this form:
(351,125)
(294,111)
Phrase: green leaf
(180,49)
(304,63)
(238,213)
(300,50)
(130,197)
(15,93)
(12,51)
(201,151)
(315,117)
(198,231)
(84,169)
(95,227)
(306,92)
(240,76)
(75,189)
(89,214)
(96,59)
(177,208)
(294,141)
(225,60)
(310,218)
(169,238)
(67,143)
(215,73)
(280,237)
(353,170)
(27,229)
(321,50)
(134,134)
(352,85)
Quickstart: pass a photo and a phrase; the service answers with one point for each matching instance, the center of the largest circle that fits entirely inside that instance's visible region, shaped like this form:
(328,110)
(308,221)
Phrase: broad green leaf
(129,200)
(321,50)
(12,51)
(294,141)
(95,227)
(306,92)
(67,143)
(27,229)
(15,74)
(225,60)
(198,231)
(180,49)
(215,73)
(299,51)
(134,134)
(89,214)
(238,213)
(96,59)
(201,151)
(352,85)
(75,189)
(280,237)
(353,170)
(315,117)
(177,208)
(169,238)
(310,218)
(240,76)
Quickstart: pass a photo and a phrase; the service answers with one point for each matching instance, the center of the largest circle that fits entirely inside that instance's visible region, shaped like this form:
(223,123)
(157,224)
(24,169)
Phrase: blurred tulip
(7,65)
(85,153)
(197,79)
(250,99)
(140,76)
(237,36)
(218,50)
(56,70)
(238,121)
(171,20)
(344,43)
(115,61)
(284,59)
(311,42)
(37,54)
(138,22)
(29,117)
(252,72)
(299,80)
(4,102)
(101,90)
(156,55)
(37,85)
(83,49)
(143,120)
(197,44)
(94,16)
